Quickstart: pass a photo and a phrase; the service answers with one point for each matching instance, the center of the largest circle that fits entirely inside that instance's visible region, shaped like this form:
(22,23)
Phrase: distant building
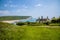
(43,20)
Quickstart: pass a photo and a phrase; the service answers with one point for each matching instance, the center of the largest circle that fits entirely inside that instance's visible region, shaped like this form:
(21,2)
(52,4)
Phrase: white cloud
(38,5)
(13,5)
(4,12)
(10,5)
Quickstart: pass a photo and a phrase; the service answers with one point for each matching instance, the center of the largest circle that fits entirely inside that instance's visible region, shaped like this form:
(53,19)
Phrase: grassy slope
(13,32)
(13,17)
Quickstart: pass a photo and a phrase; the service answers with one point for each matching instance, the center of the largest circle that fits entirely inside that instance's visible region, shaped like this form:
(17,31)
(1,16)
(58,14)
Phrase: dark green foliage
(28,23)
(20,23)
(55,20)
(47,23)
(35,24)
(58,20)
(32,23)
(13,17)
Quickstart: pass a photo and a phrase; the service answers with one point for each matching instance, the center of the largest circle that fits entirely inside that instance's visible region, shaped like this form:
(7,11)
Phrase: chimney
(41,17)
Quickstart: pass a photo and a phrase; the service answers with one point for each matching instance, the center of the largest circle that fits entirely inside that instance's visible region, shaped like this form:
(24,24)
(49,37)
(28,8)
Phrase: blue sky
(34,8)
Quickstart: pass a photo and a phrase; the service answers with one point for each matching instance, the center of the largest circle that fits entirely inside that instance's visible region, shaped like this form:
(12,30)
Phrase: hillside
(14,32)
(13,17)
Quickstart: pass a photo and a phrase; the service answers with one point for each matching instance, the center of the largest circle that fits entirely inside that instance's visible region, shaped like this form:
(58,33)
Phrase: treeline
(55,20)
(13,17)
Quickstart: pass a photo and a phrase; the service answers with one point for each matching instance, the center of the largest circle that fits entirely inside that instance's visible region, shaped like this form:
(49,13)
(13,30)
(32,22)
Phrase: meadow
(14,32)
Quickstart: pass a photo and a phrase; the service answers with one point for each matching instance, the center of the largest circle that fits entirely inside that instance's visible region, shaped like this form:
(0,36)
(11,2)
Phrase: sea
(28,20)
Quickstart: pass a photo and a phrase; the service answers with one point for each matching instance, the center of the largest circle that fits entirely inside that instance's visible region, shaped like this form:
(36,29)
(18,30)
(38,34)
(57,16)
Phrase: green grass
(3,18)
(13,32)
(55,24)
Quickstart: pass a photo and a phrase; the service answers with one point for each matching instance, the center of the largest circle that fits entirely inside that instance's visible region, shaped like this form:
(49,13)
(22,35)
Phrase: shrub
(28,23)
(47,23)
(20,23)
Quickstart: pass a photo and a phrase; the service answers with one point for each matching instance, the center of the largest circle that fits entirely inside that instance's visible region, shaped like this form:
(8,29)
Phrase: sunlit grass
(13,32)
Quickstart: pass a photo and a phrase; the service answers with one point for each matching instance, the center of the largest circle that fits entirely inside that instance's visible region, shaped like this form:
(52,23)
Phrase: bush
(28,23)
(20,23)
(55,21)
(47,23)
(36,24)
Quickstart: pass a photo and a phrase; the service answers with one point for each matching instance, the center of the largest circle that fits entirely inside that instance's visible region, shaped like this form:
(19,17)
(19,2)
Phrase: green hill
(13,17)
(13,32)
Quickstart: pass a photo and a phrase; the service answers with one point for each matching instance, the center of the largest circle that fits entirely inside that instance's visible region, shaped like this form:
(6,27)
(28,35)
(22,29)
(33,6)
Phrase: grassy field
(13,32)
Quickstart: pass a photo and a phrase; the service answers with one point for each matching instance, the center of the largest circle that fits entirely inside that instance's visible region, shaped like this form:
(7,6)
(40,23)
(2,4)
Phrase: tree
(58,20)
(53,20)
